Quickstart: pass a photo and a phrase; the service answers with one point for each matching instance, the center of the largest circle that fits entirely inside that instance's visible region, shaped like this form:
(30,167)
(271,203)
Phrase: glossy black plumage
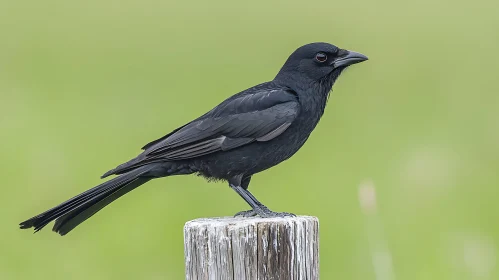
(258,114)
(246,134)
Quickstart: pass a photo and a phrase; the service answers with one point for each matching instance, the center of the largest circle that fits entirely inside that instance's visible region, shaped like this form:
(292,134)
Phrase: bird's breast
(260,155)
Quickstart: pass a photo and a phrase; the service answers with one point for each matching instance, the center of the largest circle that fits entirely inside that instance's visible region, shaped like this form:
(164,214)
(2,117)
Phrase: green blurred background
(84,84)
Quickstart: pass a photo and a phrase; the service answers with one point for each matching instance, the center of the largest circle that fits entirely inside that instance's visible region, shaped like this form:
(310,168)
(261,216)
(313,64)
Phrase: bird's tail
(73,212)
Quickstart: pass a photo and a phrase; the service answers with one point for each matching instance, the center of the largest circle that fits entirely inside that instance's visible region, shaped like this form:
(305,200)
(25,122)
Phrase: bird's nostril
(342,52)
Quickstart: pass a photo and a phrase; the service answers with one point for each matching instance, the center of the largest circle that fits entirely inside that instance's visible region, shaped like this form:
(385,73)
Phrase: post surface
(252,248)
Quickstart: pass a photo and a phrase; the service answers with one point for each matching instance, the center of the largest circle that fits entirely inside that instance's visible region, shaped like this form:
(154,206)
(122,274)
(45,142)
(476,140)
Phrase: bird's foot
(263,212)
(246,214)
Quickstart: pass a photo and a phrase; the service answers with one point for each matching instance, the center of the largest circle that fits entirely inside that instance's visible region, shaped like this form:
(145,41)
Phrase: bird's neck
(313,94)
(314,101)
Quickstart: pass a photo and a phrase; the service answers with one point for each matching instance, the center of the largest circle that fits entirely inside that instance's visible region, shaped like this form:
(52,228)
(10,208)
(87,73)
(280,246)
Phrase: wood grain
(252,248)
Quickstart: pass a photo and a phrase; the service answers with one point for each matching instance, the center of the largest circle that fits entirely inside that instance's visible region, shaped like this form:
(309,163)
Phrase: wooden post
(252,248)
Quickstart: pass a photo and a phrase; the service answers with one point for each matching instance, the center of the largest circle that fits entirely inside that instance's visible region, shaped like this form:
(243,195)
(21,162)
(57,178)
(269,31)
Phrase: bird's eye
(321,57)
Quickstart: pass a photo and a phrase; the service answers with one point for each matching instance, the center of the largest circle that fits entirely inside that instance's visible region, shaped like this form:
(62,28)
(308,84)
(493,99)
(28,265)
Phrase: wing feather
(274,133)
(242,119)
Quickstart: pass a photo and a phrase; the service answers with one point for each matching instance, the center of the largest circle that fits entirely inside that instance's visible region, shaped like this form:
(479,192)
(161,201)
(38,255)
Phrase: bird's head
(317,62)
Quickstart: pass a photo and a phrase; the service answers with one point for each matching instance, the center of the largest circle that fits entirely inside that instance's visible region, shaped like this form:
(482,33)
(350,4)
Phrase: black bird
(246,134)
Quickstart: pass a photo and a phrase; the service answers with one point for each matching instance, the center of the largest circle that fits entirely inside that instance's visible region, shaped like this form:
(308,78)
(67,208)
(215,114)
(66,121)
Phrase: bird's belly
(252,158)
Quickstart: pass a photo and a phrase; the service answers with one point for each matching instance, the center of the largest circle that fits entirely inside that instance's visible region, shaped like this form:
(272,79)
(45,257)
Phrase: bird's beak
(349,58)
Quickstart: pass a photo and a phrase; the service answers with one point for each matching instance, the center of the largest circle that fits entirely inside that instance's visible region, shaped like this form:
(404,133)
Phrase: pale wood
(252,248)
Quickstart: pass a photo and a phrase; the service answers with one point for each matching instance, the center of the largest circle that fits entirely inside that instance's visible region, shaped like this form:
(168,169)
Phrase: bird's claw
(246,214)
(263,212)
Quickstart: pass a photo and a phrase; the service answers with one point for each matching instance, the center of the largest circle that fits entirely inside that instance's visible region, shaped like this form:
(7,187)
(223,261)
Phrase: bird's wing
(257,116)
(260,116)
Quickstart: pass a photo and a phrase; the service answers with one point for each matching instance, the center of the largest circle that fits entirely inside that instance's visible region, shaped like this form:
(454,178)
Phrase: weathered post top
(252,248)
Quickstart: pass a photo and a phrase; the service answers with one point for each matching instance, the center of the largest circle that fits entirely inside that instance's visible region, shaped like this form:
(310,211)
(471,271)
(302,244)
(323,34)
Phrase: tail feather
(70,220)
(76,210)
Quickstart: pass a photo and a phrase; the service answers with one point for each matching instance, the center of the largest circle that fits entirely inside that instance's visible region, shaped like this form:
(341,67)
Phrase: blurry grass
(83,85)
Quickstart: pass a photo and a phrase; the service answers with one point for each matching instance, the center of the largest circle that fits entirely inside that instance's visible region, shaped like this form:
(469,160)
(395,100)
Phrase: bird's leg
(248,198)
(239,184)
(257,207)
